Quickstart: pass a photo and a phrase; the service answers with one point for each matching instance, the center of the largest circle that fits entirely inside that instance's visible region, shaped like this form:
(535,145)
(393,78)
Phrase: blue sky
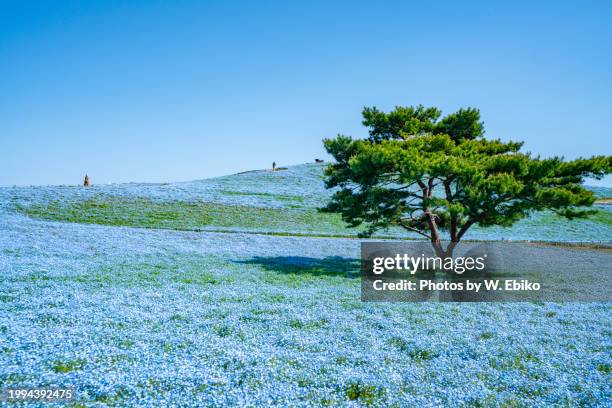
(176,90)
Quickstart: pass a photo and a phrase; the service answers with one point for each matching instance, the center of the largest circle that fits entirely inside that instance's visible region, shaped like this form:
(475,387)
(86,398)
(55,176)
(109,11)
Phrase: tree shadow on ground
(299,265)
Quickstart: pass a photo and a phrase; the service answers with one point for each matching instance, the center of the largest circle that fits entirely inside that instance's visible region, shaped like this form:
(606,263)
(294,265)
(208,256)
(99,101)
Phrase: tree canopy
(437,176)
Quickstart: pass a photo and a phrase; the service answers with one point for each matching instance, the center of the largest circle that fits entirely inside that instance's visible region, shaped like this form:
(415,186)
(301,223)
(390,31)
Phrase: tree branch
(413,229)
(465,227)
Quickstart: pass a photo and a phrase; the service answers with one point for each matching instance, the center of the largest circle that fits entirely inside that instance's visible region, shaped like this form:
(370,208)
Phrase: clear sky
(177,90)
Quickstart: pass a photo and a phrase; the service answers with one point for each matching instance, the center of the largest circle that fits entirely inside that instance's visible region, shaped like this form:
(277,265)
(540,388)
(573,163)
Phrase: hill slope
(282,202)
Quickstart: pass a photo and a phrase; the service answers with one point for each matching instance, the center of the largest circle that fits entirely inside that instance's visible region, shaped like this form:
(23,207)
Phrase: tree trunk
(441,252)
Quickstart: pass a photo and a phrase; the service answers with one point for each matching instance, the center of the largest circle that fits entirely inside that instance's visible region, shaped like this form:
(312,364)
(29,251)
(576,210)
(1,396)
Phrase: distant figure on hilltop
(86,181)
(273,166)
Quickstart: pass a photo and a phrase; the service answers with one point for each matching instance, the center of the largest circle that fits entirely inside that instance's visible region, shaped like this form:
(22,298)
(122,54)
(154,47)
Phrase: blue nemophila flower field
(168,295)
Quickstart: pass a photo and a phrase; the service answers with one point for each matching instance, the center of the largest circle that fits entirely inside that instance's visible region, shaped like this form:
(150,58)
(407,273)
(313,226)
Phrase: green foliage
(404,122)
(399,343)
(486,335)
(366,394)
(430,175)
(422,354)
(309,324)
(68,366)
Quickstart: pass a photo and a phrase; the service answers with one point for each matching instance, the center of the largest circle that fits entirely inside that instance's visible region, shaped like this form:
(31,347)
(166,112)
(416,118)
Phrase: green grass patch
(517,361)
(183,215)
(416,354)
(308,324)
(68,365)
(399,343)
(279,197)
(485,336)
(366,394)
